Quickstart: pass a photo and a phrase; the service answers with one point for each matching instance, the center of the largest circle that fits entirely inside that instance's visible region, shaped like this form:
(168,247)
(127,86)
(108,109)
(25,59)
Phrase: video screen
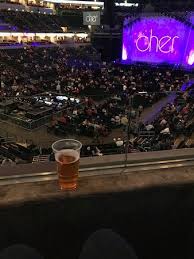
(158,40)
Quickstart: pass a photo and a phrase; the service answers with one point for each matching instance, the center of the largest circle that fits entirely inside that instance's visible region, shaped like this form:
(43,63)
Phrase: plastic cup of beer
(67,168)
(66,144)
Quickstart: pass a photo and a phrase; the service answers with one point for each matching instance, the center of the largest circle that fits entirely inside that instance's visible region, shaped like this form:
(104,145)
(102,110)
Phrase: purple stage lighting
(158,40)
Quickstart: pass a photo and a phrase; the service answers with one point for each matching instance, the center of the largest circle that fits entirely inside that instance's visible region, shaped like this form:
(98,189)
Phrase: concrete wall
(153,210)
(156,221)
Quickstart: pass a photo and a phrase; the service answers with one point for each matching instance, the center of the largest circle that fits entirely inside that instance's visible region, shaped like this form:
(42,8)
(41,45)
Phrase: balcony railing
(98,166)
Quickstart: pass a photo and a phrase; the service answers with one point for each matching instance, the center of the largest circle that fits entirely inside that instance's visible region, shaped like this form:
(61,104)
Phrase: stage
(157,40)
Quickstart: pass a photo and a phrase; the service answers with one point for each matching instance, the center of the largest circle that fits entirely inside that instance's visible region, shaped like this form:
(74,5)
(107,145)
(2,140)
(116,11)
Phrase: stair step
(40,158)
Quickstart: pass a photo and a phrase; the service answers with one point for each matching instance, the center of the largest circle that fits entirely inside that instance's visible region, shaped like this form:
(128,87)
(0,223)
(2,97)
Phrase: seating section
(82,97)
(173,128)
(35,22)
(13,151)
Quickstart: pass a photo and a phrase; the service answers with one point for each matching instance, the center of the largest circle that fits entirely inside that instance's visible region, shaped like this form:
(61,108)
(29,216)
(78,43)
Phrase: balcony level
(149,200)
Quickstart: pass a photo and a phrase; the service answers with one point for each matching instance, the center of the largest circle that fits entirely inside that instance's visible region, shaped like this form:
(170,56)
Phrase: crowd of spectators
(96,121)
(174,120)
(33,70)
(173,126)
(106,91)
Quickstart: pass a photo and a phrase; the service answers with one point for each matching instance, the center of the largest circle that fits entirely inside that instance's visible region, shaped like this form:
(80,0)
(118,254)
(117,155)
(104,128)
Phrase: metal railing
(104,169)
(27,123)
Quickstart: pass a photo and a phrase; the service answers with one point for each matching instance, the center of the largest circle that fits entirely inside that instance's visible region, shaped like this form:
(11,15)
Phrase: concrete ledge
(153,209)
(116,181)
(101,161)
(95,185)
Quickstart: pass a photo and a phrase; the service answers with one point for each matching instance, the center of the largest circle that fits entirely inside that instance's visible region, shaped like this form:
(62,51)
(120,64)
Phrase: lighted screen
(158,40)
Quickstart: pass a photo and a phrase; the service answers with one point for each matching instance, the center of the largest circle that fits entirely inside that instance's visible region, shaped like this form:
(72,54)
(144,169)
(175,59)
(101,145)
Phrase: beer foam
(67,152)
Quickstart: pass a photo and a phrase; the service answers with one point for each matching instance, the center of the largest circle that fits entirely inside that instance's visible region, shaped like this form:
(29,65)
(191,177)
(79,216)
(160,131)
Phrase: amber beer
(67,168)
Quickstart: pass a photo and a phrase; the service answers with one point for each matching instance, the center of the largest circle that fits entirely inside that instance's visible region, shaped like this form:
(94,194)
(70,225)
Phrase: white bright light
(42,34)
(126,4)
(191,58)
(92,3)
(124,54)
(76,2)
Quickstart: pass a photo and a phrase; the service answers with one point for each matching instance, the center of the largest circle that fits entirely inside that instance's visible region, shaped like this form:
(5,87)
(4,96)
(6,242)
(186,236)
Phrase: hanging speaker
(109,6)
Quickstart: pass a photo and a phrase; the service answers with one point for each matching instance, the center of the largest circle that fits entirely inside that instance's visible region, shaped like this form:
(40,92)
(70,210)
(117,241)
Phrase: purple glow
(187,85)
(158,40)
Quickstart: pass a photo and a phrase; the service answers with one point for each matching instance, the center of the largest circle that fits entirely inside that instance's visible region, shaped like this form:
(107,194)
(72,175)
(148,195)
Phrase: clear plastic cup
(67,168)
(66,144)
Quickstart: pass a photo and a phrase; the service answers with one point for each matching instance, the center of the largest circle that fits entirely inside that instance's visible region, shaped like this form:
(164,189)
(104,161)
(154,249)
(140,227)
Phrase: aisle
(150,114)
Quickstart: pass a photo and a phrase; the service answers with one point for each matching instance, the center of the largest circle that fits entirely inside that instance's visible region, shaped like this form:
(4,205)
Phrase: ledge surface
(25,169)
(94,185)
(98,182)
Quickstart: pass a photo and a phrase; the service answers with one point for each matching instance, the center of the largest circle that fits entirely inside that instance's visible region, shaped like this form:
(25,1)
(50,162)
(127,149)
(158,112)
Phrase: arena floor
(41,137)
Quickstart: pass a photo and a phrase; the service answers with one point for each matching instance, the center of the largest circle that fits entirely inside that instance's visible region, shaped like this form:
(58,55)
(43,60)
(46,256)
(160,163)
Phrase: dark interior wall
(110,49)
(157,222)
(109,12)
